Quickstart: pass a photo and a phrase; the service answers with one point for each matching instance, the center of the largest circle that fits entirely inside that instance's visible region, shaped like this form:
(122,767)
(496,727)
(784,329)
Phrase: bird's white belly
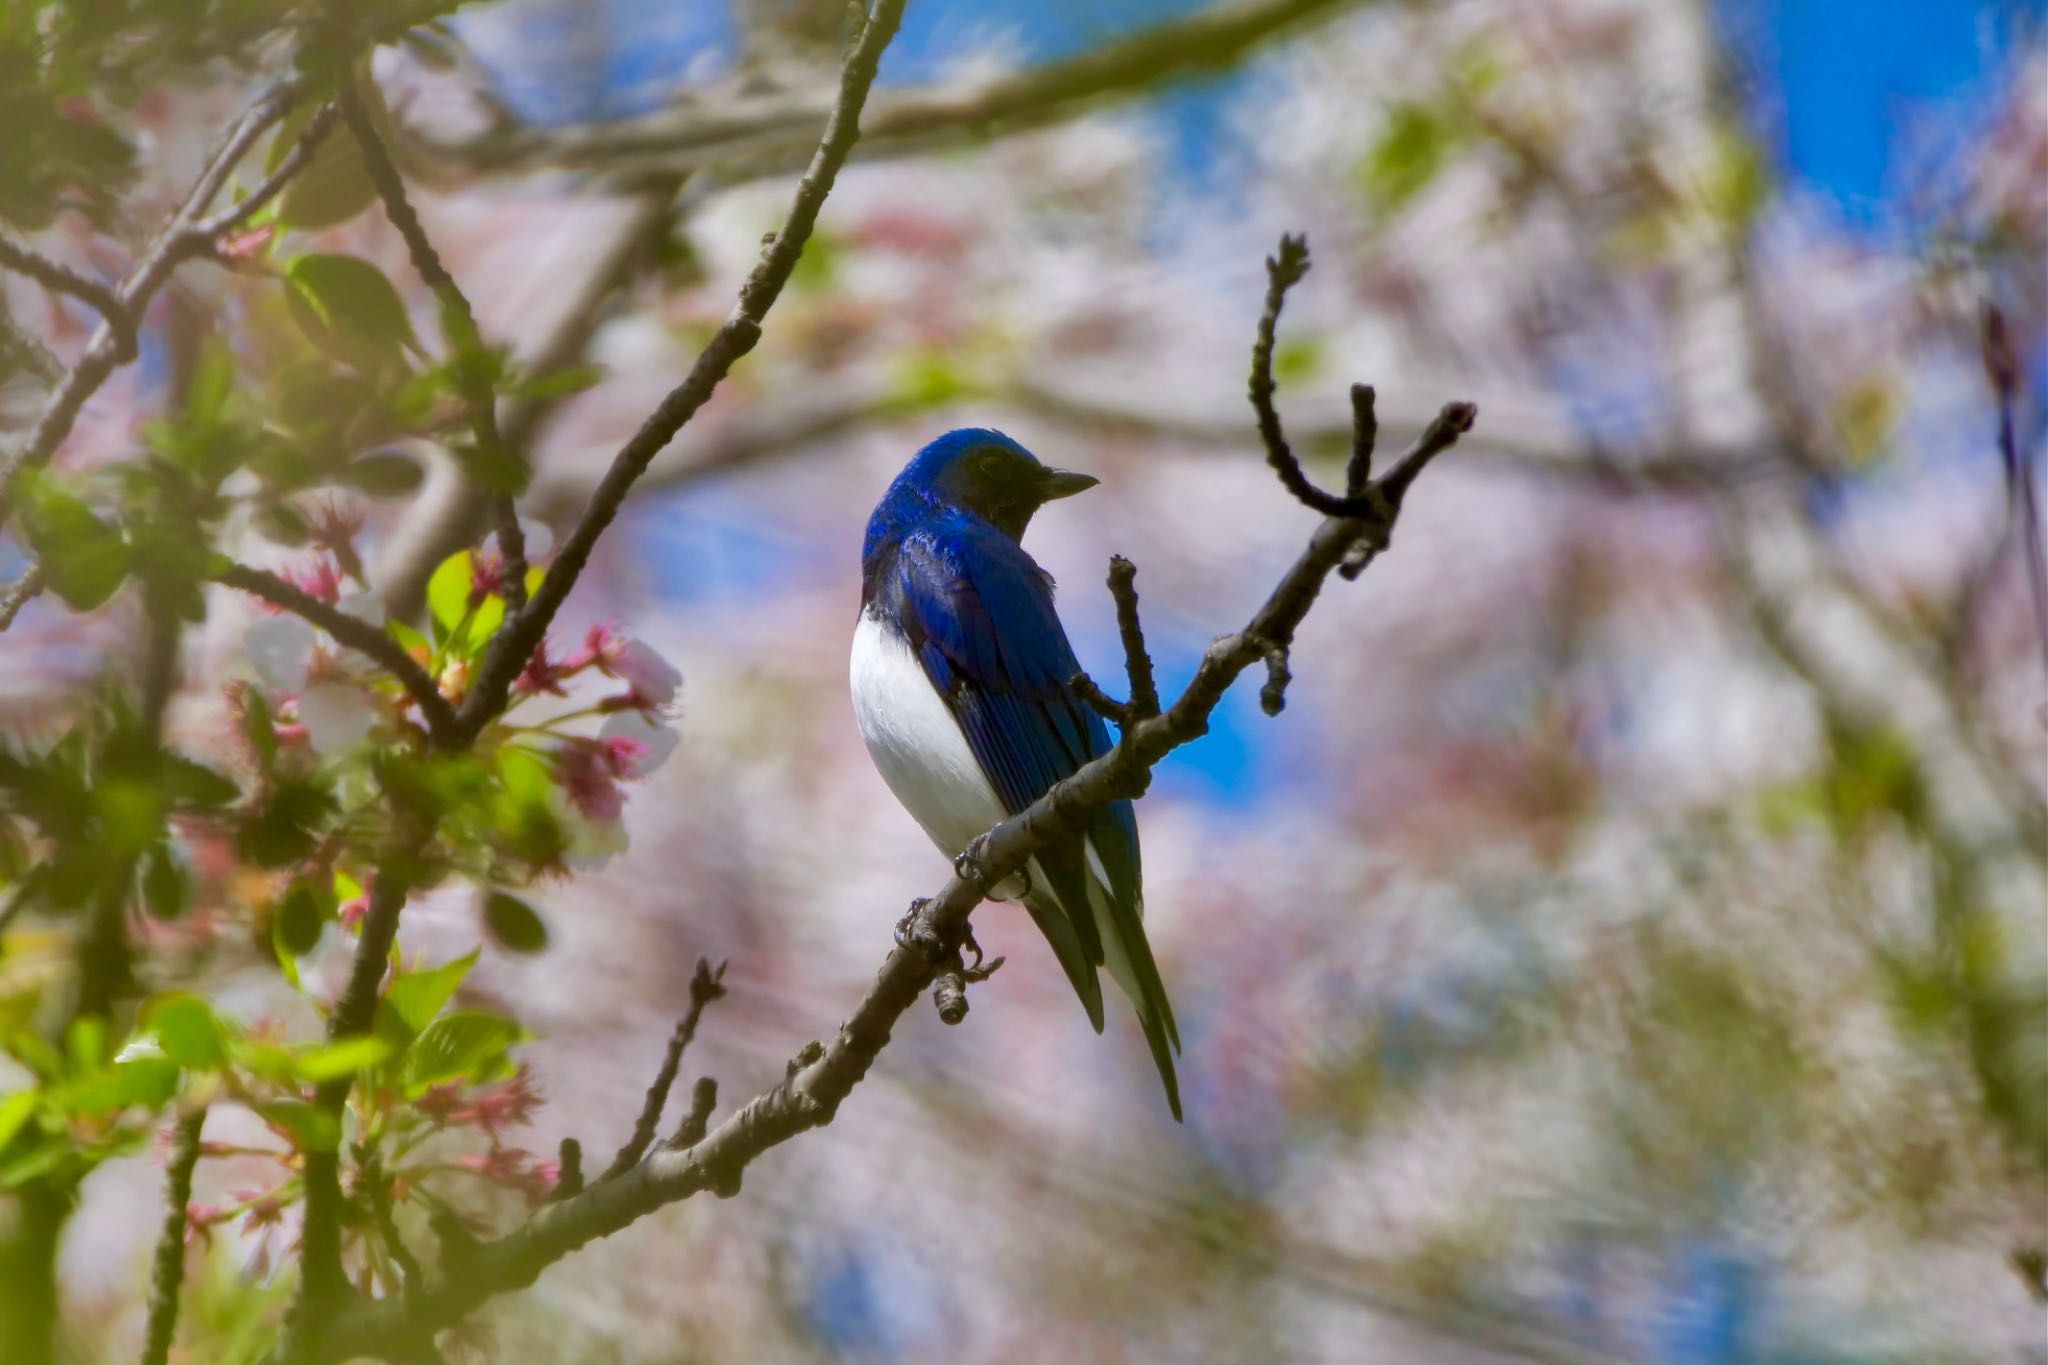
(915,742)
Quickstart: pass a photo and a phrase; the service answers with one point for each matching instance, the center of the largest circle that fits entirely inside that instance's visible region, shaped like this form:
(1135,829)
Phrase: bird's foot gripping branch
(1356,527)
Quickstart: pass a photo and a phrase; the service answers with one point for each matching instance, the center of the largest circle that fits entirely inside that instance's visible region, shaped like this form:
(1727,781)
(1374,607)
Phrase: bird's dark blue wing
(979,613)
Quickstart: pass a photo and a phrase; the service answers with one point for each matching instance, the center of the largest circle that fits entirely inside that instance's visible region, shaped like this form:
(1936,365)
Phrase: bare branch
(705,987)
(113,346)
(823,1075)
(19,594)
(168,1275)
(514,644)
(458,321)
(204,233)
(64,280)
(744,135)
(352,631)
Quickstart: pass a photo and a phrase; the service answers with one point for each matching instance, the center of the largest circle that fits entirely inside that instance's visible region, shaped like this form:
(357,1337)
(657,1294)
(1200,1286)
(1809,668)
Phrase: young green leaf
(468,1045)
(347,308)
(188,1032)
(83,558)
(514,924)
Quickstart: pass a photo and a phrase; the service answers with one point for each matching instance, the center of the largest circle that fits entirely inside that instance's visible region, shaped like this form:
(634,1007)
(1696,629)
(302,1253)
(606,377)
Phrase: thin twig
(703,1099)
(1440,435)
(821,1077)
(168,1276)
(742,136)
(19,593)
(64,280)
(1123,586)
(205,232)
(377,1193)
(352,631)
(1365,434)
(515,641)
(1284,269)
(705,987)
(176,242)
(479,395)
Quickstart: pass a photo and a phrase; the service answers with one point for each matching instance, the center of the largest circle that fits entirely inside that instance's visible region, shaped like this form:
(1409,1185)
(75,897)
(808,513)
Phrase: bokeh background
(1630,944)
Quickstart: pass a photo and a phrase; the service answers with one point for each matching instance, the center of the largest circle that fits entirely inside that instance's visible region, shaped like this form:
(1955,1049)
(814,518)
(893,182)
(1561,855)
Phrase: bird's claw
(916,930)
(969,867)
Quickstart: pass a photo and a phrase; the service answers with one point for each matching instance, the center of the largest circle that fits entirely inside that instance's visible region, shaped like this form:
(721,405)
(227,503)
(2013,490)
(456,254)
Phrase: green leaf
(493,467)
(83,558)
(164,890)
(468,1045)
(311,1128)
(448,593)
(257,727)
(331,1061)
(560,384)
(414,998)
(131,816)
(333,187)
(15,1112)
(1412,148)
(461,631)
(347,308)
(514,923)
(195,784)
(282,830)
(141,1080)
(382,474)
(189,1033)
(301,915)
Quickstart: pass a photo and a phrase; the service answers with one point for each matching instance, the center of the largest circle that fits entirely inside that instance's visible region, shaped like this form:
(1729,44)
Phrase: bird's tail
(1093,914)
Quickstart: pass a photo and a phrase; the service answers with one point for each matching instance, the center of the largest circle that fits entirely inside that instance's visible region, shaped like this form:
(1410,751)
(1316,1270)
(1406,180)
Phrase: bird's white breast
(915,742)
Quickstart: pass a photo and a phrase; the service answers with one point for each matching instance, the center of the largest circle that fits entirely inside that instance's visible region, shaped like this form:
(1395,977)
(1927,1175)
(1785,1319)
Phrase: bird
(961,680)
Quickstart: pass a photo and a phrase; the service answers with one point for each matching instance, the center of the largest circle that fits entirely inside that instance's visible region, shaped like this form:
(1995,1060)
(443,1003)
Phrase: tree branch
(458,322)
(743,135)
(322,1284)
(19,594)
(823,1075)
(64,280)
(168,1276)
(184,236)
(705,987)
(515,641)
(352,631)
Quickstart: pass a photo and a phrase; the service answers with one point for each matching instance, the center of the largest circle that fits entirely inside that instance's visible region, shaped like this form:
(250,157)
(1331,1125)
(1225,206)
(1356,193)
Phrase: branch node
(569,1168)
(1273,696)
(807,1055)
(703,1099)
(1123,587)
(1109,708)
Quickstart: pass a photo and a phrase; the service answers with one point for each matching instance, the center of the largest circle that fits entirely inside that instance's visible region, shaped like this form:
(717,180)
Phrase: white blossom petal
(655,742)
(336,715)
(643,669)
(280,649)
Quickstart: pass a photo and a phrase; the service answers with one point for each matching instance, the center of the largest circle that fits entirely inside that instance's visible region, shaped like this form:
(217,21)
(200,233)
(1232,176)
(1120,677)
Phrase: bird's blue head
(977,471)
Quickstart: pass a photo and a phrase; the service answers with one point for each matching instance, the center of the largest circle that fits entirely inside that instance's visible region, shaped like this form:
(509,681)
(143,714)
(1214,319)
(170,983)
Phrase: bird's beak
(1064,483)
